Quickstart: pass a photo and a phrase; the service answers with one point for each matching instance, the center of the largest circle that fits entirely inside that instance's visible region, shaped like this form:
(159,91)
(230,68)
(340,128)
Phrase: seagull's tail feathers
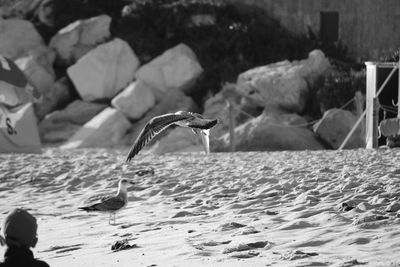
(88,208)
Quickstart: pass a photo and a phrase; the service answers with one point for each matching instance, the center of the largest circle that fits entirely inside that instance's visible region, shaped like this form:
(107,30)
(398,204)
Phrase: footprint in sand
(247,231)
(230,226)
(370,221)
(346,207)
(212,243)
(357,241)
(245,255)
(271,212)
(295,225)
(63,249)
(128,225)
(185,213)
(393,207)
(151,229)
(246,250)
(297,254)
(236,248)
(351,263)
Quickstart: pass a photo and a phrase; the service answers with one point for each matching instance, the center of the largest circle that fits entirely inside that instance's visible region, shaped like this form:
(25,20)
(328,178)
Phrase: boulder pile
(106,95)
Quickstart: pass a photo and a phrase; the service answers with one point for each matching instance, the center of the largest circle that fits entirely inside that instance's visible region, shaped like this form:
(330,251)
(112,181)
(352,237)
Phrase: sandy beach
(303,208)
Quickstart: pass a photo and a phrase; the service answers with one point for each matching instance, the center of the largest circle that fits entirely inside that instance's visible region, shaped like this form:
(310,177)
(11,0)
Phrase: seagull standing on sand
(156,125)
(111,204)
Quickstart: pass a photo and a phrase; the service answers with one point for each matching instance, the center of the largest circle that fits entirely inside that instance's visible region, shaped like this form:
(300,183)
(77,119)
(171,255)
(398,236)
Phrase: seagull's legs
(205,139)
(111,218)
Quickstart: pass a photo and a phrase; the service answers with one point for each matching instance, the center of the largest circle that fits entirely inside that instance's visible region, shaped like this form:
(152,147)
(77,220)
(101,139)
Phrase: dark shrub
(64,12)
(339,87)
(236,42)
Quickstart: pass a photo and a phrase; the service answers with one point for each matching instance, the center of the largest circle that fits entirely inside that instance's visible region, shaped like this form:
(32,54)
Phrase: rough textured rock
(266,133)
(38,75)
(104,71)
(178,140)
(334,126)
(58,94)
(135,100)
(217,107)
(173,101)
(19,38)
(44,57)
(60,125)
(176,68)
(283,85)
(24,136)
(76,39)
(104,130)
(79,112)
(58,132)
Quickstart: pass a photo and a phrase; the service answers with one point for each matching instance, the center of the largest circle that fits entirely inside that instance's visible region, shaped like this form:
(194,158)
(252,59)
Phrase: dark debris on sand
(122,245)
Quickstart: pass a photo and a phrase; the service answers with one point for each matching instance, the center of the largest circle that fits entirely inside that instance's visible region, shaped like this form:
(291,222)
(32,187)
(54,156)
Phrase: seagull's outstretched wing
(109,204)
(155,126)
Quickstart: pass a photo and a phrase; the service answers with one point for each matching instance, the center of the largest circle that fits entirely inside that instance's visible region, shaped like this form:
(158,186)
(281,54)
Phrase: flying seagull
(111,204)
(156,125)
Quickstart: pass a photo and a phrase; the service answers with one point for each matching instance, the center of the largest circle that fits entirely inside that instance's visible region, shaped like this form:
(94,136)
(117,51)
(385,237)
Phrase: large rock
(266,133)
(57,133)
(104,130)
(37,74)
(58,94)
(79,112)
(44,57)
(176,68)
(104,71)
(178,140)
(61,125)
(19,38)
(76,39)
(135,100)
(217,107)
(172,101)
(283,85)
(18,130)
(334,126)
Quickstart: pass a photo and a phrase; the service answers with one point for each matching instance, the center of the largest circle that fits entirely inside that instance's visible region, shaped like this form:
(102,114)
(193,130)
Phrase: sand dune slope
(307,208)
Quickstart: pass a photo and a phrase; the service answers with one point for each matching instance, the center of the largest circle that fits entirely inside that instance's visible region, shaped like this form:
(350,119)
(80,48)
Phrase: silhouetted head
(20,229)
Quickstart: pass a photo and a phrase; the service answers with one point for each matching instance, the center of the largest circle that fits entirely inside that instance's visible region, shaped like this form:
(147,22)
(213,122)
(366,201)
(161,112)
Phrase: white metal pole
(371,92)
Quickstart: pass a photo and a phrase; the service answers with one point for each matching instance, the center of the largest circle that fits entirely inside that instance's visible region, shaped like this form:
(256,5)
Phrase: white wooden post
(369,107)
